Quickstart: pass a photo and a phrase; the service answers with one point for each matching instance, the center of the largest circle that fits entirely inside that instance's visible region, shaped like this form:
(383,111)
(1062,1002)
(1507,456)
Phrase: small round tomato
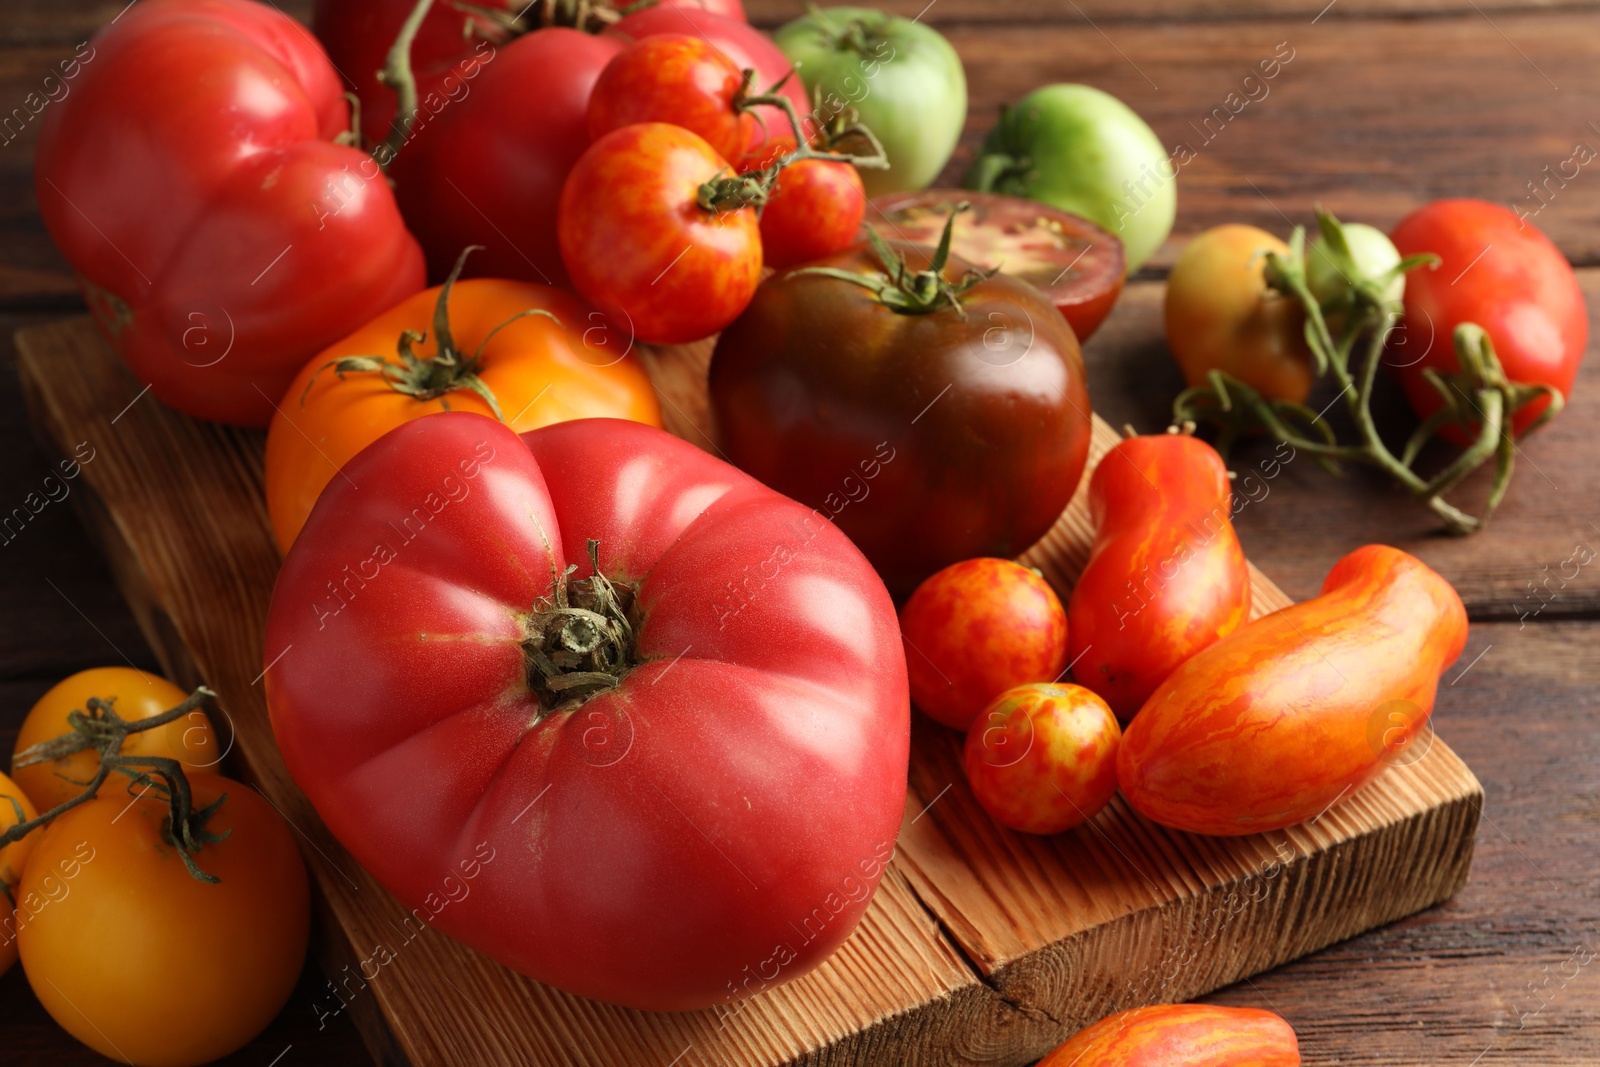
(133,695)
(1075,263)
(143,962)
(815,211)
(679,79)
(15,807)
(976,629)
(1373,253)
(641,243)
(1221,315)
(1043,758)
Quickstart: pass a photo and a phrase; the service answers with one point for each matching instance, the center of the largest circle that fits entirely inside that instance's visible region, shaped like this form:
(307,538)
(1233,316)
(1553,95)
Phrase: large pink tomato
(674,788)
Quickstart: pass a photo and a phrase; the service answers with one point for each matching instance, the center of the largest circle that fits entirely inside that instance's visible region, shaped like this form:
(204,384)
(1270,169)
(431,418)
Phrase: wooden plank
(980,945)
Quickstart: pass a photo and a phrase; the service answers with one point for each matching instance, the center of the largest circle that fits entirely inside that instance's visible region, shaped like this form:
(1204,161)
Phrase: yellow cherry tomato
(134,695)
(12,859)
(143,962)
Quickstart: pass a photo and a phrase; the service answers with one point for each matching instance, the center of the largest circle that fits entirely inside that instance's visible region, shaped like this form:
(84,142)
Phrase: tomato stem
(580,641)
(398,75)
(903,290)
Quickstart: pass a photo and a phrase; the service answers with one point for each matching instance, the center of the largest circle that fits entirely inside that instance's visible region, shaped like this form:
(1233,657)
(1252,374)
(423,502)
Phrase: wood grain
(981,946)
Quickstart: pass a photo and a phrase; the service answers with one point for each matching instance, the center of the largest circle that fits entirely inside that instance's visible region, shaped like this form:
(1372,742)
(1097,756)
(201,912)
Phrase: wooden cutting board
(981,947)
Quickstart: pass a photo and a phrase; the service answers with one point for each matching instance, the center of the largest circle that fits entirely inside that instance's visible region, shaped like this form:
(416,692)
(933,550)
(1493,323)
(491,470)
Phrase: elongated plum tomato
(976,629)
(133,695)
(1075,263)
(1498,271)
(15,807)
(1272,724)
(679,79)
(205,966)
(1190,1035)
(541,354)
(640,244)
(1166,576)
(1043,758)
(815,211)
(694,809)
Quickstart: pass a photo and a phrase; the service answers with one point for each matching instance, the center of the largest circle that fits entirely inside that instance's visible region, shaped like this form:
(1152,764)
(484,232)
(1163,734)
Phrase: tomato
(271,240)
(133,695)
(1500,272)
(1084,151)
(1221,315)
(929,437)
(640,246)
(739,763)
(1373,253)
(15,807)
(539,369)
(141,961)
(1166,576)
(815,211)
(1079,266)
(678,79)
(1274,723)
(1191,1035)
(976,629)
(1043,758)
(901,77)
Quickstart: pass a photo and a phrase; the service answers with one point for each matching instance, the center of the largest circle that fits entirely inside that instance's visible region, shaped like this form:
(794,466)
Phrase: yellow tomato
(141,961)
(12,859)
(134,695)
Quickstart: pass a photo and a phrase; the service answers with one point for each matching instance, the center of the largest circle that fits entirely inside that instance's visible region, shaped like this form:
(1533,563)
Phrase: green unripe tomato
(1084,151)
(902,78)
(1373,253)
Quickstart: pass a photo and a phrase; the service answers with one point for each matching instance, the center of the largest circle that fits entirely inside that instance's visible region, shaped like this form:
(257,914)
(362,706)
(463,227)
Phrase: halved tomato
(1075,263)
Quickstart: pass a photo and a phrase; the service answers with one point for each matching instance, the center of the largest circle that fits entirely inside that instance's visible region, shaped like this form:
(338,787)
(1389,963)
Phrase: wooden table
(1384,105)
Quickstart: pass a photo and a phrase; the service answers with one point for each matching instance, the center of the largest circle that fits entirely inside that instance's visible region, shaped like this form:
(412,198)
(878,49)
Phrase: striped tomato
(1182,1035)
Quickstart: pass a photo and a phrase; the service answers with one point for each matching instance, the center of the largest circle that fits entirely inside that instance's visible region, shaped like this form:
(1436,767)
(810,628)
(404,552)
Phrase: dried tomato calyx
(580,641)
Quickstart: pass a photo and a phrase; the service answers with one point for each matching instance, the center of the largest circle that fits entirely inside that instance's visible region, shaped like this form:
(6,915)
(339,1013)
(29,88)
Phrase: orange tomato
(1182,1035)
(540,371)
(134,695)
(13,859)
(1274,723)
(1043,758)
(141,961)
(1166,576)
(976,629)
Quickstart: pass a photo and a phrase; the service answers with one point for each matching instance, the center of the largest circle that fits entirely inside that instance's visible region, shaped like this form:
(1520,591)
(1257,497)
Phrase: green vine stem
(903,290)
(98,726)
(1478,397)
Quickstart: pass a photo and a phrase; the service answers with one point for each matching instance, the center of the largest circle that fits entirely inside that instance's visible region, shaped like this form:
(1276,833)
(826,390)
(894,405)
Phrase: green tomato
(1084,151)
(1373,254)
(903,79)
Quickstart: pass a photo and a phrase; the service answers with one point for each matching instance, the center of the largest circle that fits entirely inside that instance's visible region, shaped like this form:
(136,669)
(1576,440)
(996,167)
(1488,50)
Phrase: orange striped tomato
(1182,1035)
(1166,576)
(1271,725)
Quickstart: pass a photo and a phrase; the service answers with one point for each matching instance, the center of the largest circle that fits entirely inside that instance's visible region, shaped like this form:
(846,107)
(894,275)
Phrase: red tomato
(1274,723)
(677,79)
(1166,576)
(1500,272)
(220,235)
(753,798)
(815,211)
(976,629)
(1182,1035)
(639,246)
(1043,758)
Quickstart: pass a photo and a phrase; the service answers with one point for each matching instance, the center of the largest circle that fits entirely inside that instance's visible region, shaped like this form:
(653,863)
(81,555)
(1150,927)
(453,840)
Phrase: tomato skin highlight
(172,971)
(1500,272)
(976,629)
(640,248)
(1272,724)
(1043,758)
(815,211)
(1191,1035)
(1159,503)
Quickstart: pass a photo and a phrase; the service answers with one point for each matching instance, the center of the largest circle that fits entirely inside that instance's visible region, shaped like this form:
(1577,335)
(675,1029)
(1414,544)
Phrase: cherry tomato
(1500,272)
(976,629)
(134,695)
(675,78)
(1043,758)
(1182,1035)
(815,211)
(1220,315)
(1166,576)
(15,807)
(638,244)
(1075,263)
(143,962)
